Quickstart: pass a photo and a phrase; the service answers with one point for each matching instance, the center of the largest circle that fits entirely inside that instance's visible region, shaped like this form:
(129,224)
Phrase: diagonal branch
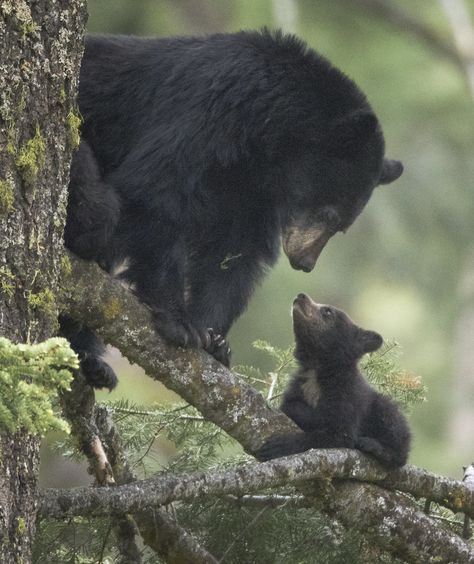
(123,321)
(223,398)
(393,522)
(220,395)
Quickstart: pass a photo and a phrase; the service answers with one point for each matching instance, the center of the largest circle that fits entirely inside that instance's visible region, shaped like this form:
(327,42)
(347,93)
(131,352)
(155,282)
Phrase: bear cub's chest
(310,388)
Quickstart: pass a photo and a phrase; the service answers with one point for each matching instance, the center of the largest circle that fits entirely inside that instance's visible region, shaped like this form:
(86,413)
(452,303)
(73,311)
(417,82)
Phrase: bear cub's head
(325,335)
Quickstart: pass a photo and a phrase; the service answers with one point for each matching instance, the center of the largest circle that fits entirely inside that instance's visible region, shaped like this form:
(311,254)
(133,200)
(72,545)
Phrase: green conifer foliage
(30,378)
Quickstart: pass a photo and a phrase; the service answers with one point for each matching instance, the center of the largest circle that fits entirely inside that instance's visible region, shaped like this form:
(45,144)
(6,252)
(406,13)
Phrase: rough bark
(393,521)
(40,50)
(224,399)
(19,460)
(321,464)
(123,321)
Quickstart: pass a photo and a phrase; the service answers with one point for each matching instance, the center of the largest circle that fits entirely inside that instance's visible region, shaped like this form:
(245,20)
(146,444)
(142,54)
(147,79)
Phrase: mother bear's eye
(330,217)
(326,312)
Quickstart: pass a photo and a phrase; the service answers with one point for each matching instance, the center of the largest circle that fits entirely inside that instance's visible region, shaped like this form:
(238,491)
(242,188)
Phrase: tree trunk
(41,44)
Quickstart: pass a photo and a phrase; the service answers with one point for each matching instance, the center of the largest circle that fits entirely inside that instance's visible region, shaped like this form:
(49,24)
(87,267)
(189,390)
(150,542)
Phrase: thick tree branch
(123,321)
(392,521)
(166,489)
(455,495)
(320,464)
(224,399)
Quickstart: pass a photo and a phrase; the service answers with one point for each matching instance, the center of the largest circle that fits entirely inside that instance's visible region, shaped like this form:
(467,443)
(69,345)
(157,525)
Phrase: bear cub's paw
(282,445)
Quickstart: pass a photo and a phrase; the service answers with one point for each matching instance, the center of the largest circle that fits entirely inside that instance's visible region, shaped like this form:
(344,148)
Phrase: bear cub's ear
(370,341)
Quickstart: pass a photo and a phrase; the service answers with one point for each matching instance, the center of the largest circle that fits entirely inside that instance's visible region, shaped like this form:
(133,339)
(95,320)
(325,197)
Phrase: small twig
(271,501)
(144,413)
(274,377)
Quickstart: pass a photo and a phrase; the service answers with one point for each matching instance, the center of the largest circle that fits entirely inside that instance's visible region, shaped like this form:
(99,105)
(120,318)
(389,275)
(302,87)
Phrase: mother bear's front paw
(179,331)
(218,348)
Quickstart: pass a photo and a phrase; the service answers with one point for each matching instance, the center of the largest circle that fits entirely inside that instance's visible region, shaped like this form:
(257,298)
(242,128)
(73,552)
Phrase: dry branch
(100,442)
(158,529)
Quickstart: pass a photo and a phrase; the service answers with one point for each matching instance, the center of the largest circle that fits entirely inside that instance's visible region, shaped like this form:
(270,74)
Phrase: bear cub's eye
(326,312)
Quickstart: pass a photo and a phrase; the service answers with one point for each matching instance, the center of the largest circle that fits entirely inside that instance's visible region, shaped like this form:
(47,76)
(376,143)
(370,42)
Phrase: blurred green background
(406,268)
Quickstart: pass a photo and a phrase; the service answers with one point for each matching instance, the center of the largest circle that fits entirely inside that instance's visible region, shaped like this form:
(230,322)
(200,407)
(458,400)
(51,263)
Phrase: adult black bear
(328,397)
(216,147)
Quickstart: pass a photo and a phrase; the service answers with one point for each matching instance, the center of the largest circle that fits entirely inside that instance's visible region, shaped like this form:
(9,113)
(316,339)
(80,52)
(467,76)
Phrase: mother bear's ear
(347,135)
(391,170)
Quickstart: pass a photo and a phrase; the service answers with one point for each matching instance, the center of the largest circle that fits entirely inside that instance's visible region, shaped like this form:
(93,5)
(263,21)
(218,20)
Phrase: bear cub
(329,399)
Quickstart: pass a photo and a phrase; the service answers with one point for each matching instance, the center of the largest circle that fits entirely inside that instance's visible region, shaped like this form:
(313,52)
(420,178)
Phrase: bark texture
(123,321)
(40,51)
(393,522)
(224,399)
(389,519)
(320,464)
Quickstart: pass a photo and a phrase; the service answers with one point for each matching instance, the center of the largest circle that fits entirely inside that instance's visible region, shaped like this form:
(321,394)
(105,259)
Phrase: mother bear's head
(332,178)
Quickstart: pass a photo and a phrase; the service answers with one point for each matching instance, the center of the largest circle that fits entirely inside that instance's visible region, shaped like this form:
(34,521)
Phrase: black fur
(328,397)
(215,147)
